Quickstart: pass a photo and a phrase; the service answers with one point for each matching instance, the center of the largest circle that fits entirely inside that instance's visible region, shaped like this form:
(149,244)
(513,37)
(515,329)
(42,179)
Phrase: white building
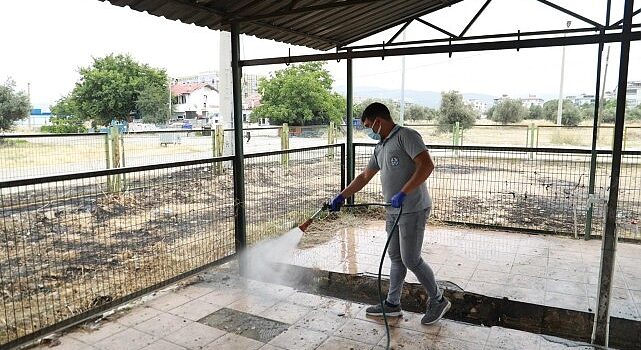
(633,93)
(479,106)
(531,100)
(197,102)
(581,99)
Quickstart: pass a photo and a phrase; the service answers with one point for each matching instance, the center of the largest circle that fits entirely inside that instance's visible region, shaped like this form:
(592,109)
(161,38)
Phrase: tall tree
(535,112)
(570,116)
(14,105)
(453,110)
(509,111)
(153,104)
(389,103)
(300,95)
(110,89)
(65,118)
(416,112)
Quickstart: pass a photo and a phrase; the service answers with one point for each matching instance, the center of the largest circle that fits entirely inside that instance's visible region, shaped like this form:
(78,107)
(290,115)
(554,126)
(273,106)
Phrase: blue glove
(397,199)
(337,203)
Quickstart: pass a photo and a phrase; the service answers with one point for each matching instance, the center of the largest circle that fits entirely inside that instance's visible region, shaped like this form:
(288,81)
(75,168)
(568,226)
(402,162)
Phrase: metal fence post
(284,144)
(108,156)
(343,169)
(121,139)
(115,158)
(219,145)
(456,136)
(331,139)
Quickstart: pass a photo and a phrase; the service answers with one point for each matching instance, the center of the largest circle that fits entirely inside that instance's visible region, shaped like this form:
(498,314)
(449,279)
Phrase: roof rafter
(292,11)
(571,13)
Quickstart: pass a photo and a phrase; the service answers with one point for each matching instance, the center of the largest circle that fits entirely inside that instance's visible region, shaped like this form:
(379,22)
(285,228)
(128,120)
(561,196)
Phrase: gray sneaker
(390,311)
(436,311)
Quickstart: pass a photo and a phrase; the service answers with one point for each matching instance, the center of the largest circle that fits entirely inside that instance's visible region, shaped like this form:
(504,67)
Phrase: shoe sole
(447,308)
(388,314)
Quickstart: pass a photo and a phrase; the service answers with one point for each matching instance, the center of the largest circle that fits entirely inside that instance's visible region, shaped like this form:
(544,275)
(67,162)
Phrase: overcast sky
(44,43)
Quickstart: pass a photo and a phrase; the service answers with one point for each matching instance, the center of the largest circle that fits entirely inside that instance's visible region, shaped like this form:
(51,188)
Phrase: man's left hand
(397,199)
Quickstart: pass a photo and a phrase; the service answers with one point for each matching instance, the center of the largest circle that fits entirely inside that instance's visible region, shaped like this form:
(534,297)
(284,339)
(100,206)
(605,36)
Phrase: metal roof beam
(621,20)
(294,32)
(478,14)
(518,35)
(573,14)
(446,3)
(293,11)
(463,47)
(399,32)
(436,27)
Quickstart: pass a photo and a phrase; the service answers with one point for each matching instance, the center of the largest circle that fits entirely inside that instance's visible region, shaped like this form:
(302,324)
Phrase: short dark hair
(374,110)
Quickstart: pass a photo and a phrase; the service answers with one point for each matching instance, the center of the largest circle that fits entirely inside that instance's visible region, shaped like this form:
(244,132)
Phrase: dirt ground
(84,247)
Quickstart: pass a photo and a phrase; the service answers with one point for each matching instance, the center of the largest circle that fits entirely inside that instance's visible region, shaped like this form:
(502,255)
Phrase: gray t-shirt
(394,157)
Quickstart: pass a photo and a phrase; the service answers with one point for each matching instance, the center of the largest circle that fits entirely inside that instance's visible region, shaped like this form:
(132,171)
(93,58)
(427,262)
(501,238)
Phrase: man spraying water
(405,164)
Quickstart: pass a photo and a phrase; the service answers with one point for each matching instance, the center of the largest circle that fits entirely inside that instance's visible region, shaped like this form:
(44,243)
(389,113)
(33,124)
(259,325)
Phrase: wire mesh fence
(524,188)
(284,188)
(74,245)
(42,154)
(36,155)
(553,136)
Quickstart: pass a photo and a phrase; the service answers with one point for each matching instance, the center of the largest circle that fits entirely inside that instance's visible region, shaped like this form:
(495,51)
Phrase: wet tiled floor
(190,317)
(548,270)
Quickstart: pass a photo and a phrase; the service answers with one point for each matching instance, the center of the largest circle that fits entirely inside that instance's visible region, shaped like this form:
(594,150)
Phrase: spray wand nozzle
(327,206)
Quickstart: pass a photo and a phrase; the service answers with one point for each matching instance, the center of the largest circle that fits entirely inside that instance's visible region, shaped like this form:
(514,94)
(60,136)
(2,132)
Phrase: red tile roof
(187,88)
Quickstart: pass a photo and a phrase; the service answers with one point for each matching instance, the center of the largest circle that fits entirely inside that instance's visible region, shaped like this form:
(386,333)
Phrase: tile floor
(548,270)
(194,317)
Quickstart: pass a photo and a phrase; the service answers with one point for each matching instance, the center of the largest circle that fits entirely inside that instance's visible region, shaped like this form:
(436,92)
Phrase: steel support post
(600,332)
(595,132)
(240,228)
(351,167)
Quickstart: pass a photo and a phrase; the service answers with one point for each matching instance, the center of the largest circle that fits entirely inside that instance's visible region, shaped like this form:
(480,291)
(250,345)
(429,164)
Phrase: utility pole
(559,110)
(605,77)
(29,97)
(169,111)
(225,90)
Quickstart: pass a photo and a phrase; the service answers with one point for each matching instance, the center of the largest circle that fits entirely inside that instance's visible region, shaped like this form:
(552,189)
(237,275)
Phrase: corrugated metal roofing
(318,24)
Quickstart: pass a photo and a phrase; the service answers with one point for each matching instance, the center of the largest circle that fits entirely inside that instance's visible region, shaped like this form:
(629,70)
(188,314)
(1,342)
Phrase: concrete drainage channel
(466,307)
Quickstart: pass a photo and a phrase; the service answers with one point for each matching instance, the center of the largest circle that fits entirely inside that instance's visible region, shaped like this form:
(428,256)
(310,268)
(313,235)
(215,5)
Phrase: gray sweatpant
(405,253)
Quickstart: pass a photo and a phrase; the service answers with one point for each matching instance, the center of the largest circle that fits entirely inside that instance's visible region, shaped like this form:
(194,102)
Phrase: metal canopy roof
(318,24)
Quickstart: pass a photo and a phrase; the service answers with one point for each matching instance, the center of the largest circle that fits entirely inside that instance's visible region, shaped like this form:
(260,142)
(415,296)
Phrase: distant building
(37,118)
(531,100)
(500,99)
(195,102)
(632,93)
(479,106)
(249,81)
(581,99)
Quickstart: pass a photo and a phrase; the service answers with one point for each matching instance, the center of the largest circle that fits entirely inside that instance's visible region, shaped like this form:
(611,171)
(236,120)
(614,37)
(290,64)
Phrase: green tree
(508,111)
(453,110)
(14,105)
(153,104)
(417,112)
(300,95)
(535,112)
(608,114)
(571,115)
(634,113)
(391,105)
(110,88)
(65,118)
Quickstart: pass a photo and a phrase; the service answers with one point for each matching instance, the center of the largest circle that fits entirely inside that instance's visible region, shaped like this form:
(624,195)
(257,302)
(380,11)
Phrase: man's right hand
(337,203)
